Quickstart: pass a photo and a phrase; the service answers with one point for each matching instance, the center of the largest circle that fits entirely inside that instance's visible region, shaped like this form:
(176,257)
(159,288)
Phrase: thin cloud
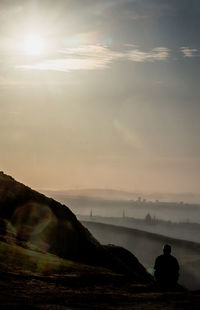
(189,52)
(156,54)
(89,57)
(67,65)
(93,51)
(94,57)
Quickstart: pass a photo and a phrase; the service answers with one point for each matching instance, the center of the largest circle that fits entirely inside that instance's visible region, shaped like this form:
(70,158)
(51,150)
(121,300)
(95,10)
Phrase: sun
(34,45)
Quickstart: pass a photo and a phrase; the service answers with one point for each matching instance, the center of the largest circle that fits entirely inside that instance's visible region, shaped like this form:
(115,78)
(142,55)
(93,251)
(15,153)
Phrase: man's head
(167,249)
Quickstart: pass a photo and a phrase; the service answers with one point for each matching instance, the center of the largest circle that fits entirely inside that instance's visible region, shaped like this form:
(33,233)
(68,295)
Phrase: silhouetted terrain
(49,260)
(79,291)
(35,220)
(121,195)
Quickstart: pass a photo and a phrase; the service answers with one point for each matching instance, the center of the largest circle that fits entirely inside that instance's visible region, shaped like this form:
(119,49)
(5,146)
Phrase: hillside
(49,260)
(33,221)
(186,231)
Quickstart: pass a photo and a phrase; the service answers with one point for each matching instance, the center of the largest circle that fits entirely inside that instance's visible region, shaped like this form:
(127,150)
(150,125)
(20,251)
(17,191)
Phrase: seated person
(166,268)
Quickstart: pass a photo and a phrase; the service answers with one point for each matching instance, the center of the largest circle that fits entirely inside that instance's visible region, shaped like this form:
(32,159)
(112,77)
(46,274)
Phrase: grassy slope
(35,280)
(17,259)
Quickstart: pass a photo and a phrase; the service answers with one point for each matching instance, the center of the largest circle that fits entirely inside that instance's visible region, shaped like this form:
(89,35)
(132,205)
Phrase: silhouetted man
(166,268)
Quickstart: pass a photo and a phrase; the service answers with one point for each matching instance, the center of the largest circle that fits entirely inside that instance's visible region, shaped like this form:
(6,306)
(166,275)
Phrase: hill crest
(30,217)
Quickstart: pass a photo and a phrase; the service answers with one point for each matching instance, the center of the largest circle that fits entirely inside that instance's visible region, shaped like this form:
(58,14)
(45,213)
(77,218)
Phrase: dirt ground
(72,291)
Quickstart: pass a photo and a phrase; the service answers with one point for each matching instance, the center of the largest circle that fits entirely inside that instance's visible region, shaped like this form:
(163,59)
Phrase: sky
(101,94)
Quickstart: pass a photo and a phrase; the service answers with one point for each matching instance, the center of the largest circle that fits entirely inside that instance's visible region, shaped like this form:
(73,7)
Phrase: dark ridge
(29,217)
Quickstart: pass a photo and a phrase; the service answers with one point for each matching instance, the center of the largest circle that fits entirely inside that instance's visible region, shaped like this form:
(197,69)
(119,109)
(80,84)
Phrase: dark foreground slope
(35,280)
(48,260)
(81,292)
(32,220)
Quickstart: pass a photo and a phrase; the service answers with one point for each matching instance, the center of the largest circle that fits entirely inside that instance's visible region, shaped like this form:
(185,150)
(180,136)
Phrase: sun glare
(34,45)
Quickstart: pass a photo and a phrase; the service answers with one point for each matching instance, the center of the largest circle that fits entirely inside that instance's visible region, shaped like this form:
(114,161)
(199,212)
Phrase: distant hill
(85,202)
(113,194)
(32,220)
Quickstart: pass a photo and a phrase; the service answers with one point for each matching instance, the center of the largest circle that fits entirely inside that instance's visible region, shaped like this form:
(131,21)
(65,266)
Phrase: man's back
(166,269)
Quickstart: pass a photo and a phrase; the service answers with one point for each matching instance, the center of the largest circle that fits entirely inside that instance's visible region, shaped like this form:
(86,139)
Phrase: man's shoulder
(160,257)
(174,258)
(166,258)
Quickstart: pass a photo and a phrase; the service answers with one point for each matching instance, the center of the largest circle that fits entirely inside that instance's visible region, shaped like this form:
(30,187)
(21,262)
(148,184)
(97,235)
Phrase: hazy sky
(110,101)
